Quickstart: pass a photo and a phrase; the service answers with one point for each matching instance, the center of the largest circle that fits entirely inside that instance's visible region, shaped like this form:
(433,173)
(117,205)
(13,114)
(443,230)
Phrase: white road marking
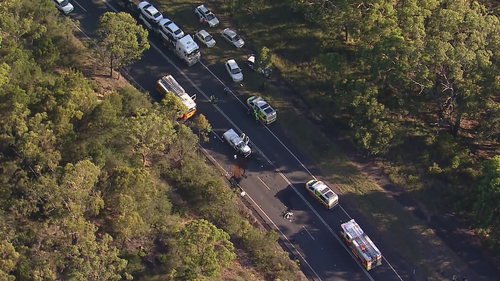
(263,183)
(308,232)
(264,213)
(260,151)
(267,128)
(80,5)
(217,136)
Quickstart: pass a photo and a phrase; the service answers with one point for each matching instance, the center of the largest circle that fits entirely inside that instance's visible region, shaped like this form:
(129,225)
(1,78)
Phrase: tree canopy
(86,178)
(122,39)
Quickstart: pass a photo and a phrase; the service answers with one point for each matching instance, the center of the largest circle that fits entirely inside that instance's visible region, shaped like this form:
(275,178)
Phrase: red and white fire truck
(169,84)
(360,244)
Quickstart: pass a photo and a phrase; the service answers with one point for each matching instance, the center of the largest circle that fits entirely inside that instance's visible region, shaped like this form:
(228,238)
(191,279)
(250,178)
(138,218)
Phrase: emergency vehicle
(267,114)
(360,244)
(322,193)
(169,84)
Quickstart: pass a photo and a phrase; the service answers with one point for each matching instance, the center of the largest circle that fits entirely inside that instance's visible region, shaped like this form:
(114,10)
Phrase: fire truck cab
(360,244)
(169,84)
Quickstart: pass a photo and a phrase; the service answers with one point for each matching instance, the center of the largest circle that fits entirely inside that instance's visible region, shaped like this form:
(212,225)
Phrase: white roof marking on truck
(171,85)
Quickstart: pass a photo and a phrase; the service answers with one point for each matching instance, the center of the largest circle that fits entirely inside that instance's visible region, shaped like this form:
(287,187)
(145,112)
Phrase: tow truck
(360,244)
(267,114)
(322,193)
(239,143)
(168,84)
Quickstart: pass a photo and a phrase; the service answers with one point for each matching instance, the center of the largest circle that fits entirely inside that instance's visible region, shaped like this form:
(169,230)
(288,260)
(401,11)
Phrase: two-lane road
(276,175)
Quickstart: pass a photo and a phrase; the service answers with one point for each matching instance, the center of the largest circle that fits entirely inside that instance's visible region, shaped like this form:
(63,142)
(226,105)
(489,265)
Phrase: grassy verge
(296,47)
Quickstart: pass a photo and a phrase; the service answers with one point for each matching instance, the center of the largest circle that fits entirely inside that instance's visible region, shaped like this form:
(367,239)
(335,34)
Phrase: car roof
(173,26)
(229,32)
(232,63)
(323,189)
(143,4)
(203,8)
(152,9)
(165,21)
(203,33)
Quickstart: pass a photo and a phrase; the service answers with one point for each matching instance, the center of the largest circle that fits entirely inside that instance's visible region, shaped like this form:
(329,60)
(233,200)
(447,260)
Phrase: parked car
(206,16)
(232,38)
(169,27)
(234,70)
(205,38)
(264,71)
(149,15)
(64,6)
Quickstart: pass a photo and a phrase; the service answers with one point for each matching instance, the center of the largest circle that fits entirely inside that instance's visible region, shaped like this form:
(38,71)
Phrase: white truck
(239,143)
(185,47)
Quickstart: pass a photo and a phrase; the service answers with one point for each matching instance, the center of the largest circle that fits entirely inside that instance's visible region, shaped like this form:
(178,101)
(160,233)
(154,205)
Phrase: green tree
(486,211)
(173,106)
(128,194)
(201,124)
(151,134)
(122,39)
(8,260)
(202,249)
(264,59)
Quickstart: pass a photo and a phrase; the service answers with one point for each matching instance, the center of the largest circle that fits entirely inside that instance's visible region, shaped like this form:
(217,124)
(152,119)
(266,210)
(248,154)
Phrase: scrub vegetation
(97,182)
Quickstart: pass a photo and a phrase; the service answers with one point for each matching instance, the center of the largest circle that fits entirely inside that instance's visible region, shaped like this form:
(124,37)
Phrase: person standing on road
(256,115)
(226,90)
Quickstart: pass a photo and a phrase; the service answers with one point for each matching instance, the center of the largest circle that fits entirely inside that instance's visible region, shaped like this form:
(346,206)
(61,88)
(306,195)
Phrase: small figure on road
(226,90)
(288,215)
(454,278)
(256,115)
(212,98)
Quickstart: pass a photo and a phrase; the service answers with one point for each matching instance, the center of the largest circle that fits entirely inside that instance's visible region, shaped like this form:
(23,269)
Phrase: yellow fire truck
(360,244)
(169,84)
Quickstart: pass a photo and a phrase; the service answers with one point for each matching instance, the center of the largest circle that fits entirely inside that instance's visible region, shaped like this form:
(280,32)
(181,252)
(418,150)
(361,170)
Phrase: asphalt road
(275,173)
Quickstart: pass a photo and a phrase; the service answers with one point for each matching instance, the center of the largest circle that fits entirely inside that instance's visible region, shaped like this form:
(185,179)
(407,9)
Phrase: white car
(64,6)
(205,38)
(232,38)
(234,70)
(149,15)
(167,26)
(206,16)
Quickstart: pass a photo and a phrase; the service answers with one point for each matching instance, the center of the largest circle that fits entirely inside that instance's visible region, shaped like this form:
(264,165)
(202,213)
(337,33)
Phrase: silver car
(206,16)
(205,38)
(64,6)
(232,38)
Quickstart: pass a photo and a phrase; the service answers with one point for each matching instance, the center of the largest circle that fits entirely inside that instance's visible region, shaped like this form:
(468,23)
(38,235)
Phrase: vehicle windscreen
(193,53)
(63,2)
(235,38)
(178,31)
(235,70)
(210,16)
(208,38)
